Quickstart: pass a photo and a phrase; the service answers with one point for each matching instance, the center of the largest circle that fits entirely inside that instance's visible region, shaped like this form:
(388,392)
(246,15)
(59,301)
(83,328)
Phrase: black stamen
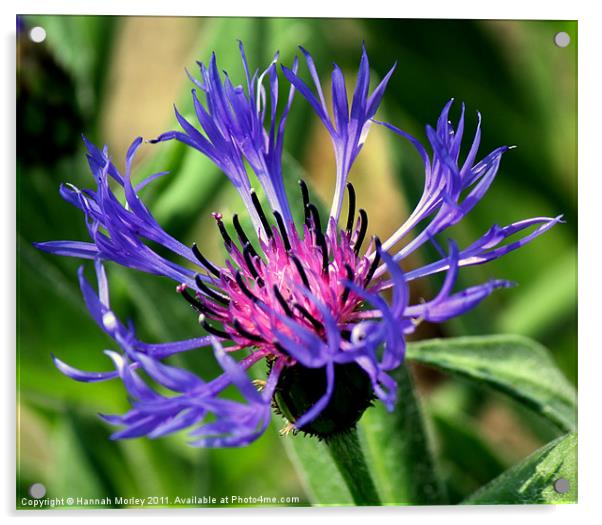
(315,323)
(305,195)
(201,258)
(211,293)
(301,271)
(362,231)
(282,302)
(345,295)
(244,289)
(215,331)
(244,240)
(249,260)
(262,217)
(282,228)
(244,332)
(321,240)
(375,261)
(351,213)
(196,304)
(225,235)
(316,218)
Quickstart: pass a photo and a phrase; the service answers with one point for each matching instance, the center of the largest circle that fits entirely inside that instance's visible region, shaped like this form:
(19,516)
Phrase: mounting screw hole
(37,491)
(562,485)
(562,39)
(37,34)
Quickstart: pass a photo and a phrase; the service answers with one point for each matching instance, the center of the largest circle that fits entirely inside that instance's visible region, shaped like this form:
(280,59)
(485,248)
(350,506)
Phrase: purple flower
(234,132)
(306,298)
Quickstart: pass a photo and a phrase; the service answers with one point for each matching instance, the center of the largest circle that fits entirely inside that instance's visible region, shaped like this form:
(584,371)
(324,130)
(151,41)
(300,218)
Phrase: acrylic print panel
(299,287)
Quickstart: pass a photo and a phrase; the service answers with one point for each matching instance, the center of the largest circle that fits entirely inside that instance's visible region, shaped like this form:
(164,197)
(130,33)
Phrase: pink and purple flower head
(325,307)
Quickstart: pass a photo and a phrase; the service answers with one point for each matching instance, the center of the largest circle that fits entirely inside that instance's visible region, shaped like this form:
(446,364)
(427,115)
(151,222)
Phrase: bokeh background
(114,78)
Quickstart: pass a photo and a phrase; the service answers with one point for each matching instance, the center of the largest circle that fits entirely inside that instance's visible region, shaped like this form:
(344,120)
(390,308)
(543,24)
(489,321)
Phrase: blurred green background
(114,78)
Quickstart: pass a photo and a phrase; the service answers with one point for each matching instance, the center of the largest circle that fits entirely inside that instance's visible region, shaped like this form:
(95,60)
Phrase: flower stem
(398,448)
(349,457)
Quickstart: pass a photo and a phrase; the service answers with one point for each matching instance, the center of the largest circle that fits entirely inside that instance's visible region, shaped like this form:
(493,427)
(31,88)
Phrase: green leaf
(532,480)
(319,474)
(398,449)
(514,365)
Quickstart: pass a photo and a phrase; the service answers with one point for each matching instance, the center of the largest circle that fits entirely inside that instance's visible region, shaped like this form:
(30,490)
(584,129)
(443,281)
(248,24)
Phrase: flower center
(294,292)
(300,388)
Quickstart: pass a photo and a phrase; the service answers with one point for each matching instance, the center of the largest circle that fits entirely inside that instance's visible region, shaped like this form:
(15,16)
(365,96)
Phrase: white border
(510,9)
(590,175)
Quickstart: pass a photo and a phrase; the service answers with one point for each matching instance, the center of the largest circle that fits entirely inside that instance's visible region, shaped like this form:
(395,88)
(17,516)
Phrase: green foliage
(466,459)
(514,365)
(319,474)
(395,451)
(82,45)
(392,457)
(399,450)
(545,302)
(533,479)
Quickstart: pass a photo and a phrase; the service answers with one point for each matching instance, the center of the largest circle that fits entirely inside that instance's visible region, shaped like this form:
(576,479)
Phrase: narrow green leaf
(319,474)
(534,479)
(514,365)
(546,301)
(32,260)
(398,449)
(82,479)
(197,182)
